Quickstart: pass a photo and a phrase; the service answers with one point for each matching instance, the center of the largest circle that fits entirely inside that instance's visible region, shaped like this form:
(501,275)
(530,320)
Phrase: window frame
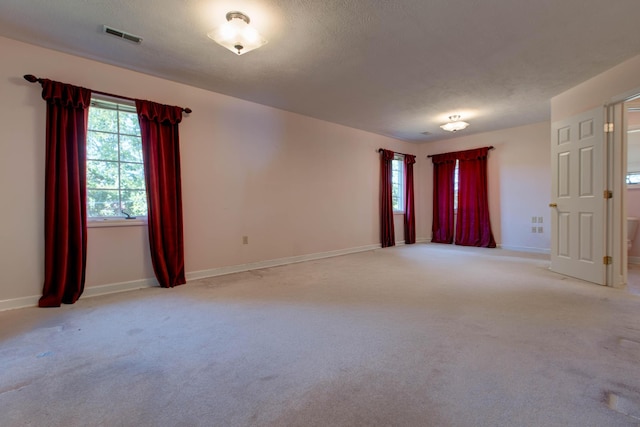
(119,105)
(398,159)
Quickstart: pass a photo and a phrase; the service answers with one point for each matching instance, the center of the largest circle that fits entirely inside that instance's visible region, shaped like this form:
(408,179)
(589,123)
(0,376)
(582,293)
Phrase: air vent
(426,133)
(121,34)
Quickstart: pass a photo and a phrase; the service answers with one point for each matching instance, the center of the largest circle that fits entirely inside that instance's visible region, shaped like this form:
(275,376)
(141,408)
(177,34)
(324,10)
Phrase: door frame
(616,161)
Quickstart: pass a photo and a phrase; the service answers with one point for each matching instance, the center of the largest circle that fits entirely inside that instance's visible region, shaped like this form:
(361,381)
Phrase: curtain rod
(491,147)
(33,79)
(379,150)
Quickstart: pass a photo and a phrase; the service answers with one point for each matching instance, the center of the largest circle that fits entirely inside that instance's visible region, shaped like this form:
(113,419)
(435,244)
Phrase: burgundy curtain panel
(473,227)
(387,233)
(65,213)
(161,156)
(409,207)
(443,182)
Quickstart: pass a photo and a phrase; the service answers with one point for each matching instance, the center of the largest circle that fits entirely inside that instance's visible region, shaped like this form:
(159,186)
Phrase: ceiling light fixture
(455,124)
(237,35)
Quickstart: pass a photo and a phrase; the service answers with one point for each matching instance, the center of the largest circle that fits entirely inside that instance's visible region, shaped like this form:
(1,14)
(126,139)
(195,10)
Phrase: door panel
(578,179)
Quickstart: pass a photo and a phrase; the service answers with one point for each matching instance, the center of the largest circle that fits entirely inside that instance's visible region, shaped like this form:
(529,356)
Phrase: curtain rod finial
(188,110)
(30,78)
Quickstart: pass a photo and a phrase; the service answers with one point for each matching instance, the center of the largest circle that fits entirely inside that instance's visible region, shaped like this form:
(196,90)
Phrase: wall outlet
(534,219)
(540,230)
(534,229)
(540,220)
(245,240)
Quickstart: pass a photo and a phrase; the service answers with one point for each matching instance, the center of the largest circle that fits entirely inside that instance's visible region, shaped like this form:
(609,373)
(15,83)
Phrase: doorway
(632,192)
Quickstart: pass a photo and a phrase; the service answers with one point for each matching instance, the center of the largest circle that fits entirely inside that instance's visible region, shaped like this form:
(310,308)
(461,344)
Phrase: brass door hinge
(608,194)
(608,127)
(607,260)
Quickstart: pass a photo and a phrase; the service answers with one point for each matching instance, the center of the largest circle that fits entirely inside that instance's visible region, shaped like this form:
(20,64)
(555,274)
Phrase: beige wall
(613,85)
(519,180)
(292,184)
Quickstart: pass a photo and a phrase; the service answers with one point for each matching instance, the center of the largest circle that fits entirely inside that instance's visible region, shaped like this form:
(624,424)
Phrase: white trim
(525,249)
(194,275)
(111,288)
(108,222)
(91,291)
(633,260)
(22,302)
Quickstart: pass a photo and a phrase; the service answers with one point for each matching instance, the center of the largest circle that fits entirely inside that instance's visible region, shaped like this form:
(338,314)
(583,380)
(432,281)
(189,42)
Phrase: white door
(578,217)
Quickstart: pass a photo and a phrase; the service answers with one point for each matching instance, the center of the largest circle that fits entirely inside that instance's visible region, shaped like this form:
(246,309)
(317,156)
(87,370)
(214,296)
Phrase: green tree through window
(397,183)
(115,172)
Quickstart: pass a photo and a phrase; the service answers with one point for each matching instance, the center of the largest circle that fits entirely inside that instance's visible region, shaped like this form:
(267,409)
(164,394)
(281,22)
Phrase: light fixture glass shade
(455,124)
(237,35)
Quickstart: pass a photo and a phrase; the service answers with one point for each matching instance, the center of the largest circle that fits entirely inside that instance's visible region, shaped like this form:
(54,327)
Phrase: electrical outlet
(533,219)
(540,220)
(540,230)
(245,240)
(534,229)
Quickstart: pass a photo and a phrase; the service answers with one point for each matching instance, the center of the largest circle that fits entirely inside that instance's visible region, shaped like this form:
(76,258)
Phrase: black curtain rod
(33,79)
(402,154)
(491,147)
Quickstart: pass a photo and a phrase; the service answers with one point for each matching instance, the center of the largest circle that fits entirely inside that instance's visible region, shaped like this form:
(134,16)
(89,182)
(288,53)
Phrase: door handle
(553,205)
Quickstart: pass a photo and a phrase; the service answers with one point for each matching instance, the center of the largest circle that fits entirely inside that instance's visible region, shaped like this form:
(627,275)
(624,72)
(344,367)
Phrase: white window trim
(116,222)
(105,101)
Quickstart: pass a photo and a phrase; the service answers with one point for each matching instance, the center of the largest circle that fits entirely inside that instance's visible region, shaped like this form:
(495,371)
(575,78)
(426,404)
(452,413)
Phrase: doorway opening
(632,192)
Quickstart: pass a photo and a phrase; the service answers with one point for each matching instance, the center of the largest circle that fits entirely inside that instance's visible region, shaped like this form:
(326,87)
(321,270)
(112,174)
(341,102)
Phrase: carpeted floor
(421,335)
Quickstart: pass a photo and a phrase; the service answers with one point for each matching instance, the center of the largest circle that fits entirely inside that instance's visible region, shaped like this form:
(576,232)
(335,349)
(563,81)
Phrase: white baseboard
(194,275)
(22,302)
(111,288)
(92,291)
(525,249)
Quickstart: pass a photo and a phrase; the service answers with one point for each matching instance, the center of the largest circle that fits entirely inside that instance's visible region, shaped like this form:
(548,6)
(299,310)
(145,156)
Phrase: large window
(397,183)
(115,171)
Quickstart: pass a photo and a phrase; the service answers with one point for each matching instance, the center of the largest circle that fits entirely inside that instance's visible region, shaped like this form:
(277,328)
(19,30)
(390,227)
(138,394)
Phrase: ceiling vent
(121,34)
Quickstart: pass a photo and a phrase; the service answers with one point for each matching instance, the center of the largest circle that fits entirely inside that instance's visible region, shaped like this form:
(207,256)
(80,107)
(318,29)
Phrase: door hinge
(608,194)
(608,127)
(607,260)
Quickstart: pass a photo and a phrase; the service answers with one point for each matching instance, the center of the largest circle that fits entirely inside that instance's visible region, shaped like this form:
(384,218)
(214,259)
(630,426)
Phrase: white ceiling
(392,67)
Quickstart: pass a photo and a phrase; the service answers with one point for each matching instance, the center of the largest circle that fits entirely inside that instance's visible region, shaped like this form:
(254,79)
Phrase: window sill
(98,223)
(398,212)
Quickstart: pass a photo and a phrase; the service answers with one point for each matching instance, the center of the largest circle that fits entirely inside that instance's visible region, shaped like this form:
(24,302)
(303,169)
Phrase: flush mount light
(237,35)
(455,124)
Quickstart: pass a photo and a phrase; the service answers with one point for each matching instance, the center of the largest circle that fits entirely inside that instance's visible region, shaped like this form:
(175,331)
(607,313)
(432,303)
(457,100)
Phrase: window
(397,183)
(633,178)
(115,171)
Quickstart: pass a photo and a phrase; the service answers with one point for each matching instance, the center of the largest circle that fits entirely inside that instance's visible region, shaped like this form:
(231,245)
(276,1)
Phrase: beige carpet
(421,335)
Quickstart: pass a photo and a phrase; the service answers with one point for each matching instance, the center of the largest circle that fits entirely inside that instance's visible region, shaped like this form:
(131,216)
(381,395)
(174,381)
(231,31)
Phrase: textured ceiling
(393,67)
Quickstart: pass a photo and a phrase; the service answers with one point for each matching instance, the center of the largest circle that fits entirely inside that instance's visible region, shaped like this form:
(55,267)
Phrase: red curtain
(161,156)
(387,233)
(409,206)
(65,214)
(443,180)
(473,227)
